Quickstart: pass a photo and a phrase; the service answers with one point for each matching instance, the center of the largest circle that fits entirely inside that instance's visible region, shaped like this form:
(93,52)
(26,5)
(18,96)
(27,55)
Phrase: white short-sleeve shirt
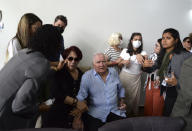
(134,66)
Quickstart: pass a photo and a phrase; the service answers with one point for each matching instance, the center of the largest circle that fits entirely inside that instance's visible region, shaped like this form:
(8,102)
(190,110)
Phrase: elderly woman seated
(65,86)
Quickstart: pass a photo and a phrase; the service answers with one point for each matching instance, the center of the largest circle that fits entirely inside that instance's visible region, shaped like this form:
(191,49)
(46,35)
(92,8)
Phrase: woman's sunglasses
(188,41)
(71,59)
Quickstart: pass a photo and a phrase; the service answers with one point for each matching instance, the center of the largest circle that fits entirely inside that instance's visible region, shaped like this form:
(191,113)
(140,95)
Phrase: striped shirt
(112,54)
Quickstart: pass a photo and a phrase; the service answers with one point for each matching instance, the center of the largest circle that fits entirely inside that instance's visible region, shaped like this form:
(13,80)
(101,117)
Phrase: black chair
(145,124)
(45,129)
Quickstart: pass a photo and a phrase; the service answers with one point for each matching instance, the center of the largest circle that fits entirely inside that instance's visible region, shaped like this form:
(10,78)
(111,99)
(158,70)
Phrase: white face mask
(136,44)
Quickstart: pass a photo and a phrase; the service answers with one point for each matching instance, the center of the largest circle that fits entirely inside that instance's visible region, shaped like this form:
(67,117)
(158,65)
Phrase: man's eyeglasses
(71,59)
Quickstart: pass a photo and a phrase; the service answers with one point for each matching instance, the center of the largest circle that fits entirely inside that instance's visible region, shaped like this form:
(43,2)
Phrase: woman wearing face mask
(113,52)
(153,101)
(170,60)
(130,76)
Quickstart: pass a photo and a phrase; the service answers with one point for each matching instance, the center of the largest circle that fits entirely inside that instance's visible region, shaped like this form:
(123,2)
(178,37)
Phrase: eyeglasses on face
(72,58)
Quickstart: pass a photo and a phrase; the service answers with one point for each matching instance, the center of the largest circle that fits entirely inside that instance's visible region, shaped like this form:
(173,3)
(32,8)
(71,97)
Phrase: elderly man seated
(102,89)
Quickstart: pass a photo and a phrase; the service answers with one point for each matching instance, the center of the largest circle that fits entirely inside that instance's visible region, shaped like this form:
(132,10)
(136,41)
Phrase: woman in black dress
(65,87)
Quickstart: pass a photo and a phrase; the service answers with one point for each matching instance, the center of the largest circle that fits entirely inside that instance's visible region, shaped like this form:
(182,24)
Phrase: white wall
(92,21)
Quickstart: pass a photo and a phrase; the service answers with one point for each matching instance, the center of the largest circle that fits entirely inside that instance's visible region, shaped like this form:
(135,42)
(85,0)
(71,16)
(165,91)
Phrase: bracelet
(74,102)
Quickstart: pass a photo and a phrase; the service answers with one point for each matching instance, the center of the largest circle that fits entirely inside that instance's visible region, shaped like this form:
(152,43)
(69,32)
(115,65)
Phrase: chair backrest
(44,129)
(145,124)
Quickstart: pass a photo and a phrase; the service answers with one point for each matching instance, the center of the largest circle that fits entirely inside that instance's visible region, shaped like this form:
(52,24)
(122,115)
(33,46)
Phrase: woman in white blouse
(133,57)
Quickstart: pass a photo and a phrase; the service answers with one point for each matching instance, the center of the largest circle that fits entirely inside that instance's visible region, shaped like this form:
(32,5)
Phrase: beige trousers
(132,85)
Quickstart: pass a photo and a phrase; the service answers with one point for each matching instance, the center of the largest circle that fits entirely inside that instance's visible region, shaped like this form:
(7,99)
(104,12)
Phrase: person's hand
(171,81)
(122,105)
(54,63)
(140,58)
(148,63)
(118,60)
(156,83)
(126,62)
(77,124)
(60,65)
(75,112)
(82,106)
(43,107)
(57,65)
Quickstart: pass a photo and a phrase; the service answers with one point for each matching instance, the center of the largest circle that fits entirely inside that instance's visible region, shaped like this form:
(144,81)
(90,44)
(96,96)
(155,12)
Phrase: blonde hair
(114,39)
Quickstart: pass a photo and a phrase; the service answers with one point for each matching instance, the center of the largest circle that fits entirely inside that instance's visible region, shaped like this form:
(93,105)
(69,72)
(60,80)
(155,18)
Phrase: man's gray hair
(97,54)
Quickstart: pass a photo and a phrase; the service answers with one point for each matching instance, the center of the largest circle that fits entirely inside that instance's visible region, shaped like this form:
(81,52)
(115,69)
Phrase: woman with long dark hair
(130,75)
(169,64)
(153,101)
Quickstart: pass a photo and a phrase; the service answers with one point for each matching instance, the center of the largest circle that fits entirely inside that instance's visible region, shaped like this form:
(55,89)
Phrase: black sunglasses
(71,59)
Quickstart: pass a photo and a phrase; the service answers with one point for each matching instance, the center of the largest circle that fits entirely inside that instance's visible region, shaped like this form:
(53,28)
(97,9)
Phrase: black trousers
(93,124)
(171,96)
